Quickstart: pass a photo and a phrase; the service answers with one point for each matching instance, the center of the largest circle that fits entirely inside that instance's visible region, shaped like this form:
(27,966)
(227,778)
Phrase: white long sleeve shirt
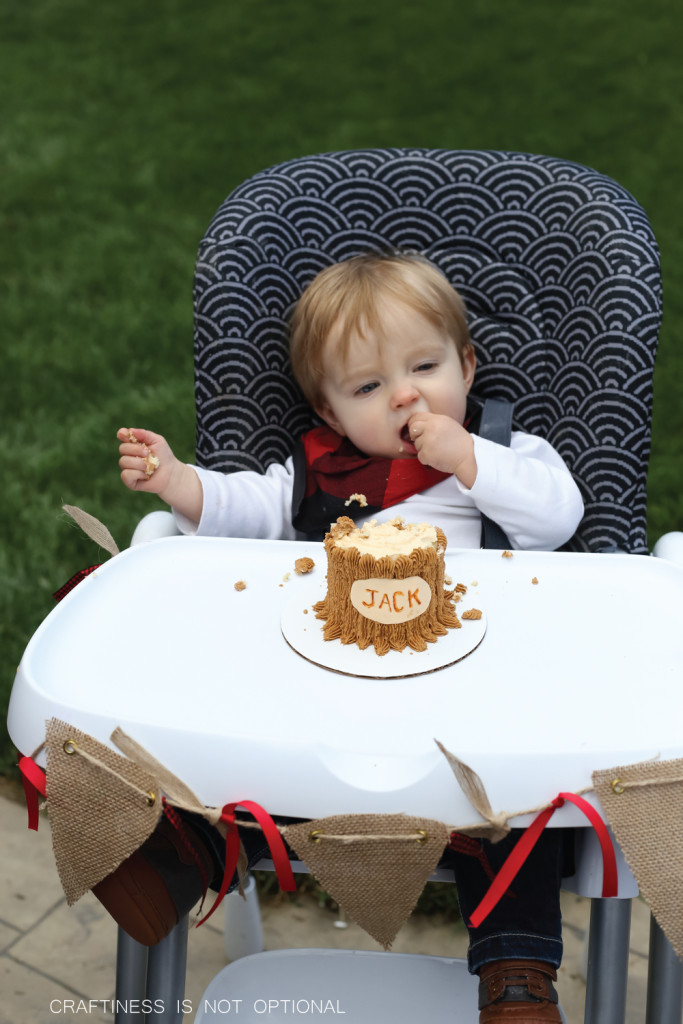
(526,489)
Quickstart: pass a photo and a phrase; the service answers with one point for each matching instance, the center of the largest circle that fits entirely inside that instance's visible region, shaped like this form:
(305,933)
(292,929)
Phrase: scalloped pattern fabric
(558,266)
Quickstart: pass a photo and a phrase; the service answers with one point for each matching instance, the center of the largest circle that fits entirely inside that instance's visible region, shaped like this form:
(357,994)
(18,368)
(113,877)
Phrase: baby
(381,350)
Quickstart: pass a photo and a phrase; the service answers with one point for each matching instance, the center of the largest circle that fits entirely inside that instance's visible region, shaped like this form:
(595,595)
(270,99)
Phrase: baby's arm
(528,490)
(148,464)
(442,443)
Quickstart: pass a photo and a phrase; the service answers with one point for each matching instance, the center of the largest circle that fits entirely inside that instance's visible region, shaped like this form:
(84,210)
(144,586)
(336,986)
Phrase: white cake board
(304,633)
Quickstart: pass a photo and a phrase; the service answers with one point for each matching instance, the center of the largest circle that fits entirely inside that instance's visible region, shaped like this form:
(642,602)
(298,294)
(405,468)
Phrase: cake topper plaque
(391,600)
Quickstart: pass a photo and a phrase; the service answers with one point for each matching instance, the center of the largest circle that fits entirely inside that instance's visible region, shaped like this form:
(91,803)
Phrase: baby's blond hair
(347,297)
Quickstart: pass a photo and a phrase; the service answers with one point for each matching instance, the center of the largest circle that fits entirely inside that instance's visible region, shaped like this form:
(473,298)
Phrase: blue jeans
(526,923)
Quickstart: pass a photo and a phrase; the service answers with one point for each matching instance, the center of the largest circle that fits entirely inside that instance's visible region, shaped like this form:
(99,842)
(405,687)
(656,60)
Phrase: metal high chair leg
(610,932)
(166,969)
(664,980)
(131,979)
(155,975)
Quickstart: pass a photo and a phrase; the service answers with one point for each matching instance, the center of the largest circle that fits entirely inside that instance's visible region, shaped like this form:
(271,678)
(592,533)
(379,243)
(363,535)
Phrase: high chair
(560,272)
(559,269)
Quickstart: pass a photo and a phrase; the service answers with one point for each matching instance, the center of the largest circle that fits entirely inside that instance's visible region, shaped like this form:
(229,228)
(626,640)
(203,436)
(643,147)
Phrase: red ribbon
(177,822)
(465,844)
(528,840)
(278,852)
(77,577)
(33,779)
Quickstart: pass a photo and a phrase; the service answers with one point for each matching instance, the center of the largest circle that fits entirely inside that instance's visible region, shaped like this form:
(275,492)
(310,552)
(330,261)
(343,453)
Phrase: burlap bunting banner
(102,807)
(643,803)
(377,879)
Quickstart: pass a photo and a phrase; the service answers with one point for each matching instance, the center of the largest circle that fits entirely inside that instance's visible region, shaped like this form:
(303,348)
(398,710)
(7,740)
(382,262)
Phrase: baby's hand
(146,460)
(442,443)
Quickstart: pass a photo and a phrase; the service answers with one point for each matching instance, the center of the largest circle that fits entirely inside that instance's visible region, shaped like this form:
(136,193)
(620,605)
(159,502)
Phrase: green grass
(125,125)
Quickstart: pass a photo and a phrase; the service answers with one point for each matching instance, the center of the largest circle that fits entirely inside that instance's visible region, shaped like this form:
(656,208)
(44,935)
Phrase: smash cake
(385,585)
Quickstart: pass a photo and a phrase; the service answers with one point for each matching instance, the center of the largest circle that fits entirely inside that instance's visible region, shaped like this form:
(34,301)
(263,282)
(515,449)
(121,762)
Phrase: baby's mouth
(406,443)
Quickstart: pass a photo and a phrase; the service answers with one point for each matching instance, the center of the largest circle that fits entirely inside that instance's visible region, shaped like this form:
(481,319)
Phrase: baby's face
(411,367)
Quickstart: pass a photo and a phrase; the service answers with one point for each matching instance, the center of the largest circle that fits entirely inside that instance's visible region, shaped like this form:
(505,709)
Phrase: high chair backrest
(558,266)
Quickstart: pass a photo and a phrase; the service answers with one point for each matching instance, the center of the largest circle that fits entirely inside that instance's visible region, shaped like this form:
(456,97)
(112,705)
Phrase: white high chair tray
(578,671)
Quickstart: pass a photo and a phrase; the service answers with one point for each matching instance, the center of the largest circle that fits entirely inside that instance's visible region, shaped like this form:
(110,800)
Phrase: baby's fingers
(417,423)
(136,435)
(133,476)
(144,464)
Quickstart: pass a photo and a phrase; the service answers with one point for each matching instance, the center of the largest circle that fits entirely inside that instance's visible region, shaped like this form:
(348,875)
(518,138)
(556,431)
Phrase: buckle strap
(516,985)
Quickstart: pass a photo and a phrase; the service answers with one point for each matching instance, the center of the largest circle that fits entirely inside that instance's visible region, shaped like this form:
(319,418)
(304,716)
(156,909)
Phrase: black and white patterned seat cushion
(557,263)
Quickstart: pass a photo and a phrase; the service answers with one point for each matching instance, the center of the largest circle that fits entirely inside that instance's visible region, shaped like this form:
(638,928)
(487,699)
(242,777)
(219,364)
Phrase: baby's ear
(469,365)
(324,411)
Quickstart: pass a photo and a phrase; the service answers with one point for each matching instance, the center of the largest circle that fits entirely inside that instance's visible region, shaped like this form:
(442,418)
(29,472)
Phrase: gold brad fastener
(69,746)
(617,786)
(315,836)
(421,836)
(151,798)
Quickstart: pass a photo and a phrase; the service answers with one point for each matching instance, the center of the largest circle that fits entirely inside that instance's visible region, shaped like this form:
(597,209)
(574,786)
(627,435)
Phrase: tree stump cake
(385,586)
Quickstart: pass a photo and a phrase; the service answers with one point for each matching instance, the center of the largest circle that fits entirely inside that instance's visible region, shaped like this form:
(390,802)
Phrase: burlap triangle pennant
(497,827)
(374,866)
(177,792)
(93,528)
(644,805)
(102,807)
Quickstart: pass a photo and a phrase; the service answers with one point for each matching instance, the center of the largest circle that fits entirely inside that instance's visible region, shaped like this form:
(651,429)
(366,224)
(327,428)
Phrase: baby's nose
(404,394)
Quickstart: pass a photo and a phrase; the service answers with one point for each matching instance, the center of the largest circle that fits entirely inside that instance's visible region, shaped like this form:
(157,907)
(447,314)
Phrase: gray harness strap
(495,425)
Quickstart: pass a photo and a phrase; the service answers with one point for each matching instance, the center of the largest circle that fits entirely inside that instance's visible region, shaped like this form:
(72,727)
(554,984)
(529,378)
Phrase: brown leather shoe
(158,884)
(518,992)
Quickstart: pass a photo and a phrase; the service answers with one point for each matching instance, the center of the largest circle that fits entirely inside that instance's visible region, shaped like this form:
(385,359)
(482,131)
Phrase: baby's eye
(429,365)
(365,389)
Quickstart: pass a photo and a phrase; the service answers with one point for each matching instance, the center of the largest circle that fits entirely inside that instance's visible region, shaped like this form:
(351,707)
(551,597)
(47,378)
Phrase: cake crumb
(241,585)
(360,498)
(286,576)
(506,554)
(151,461)
(471,613)
(534,579)
(447,580)
(475,583)
(342,527)
(302,566)
(305,611)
